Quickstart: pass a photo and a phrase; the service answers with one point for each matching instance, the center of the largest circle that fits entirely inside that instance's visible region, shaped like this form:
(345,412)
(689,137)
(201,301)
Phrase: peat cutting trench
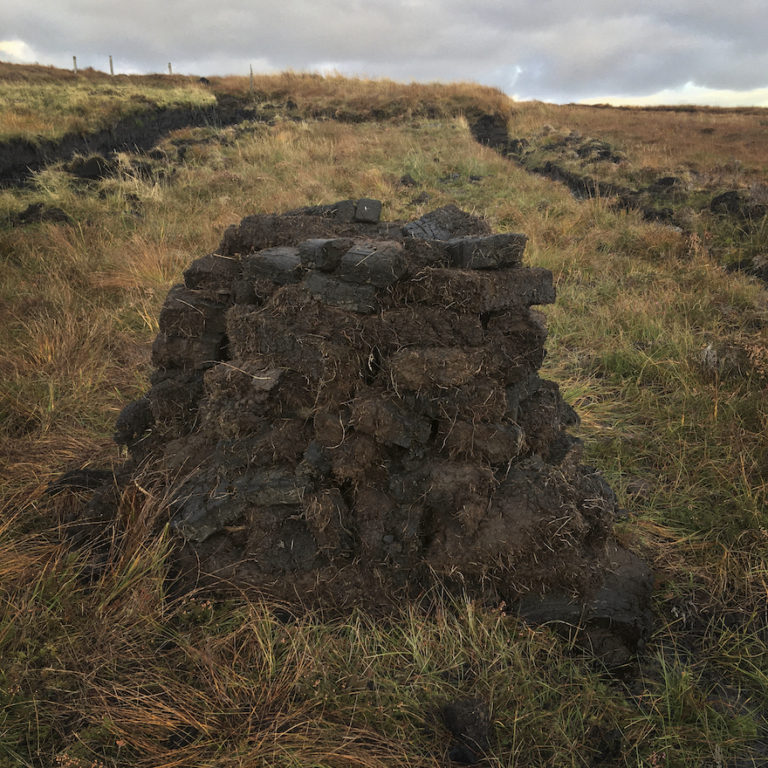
(20,158)
(139,132)
(665,200)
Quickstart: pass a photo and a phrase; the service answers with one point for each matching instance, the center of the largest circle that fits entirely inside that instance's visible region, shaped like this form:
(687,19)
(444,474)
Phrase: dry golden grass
(103,665)
(359,98)
(36,73)
(44,102)
(697,138)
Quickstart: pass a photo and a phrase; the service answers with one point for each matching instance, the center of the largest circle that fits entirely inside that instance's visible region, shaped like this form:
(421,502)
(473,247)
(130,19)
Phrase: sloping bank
(19,158)
(491,130)
(138,131)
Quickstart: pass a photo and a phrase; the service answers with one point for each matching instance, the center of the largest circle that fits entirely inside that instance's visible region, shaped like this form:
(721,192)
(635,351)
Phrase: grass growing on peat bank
(359,99)
(706,139)
(46,103)
(103,664)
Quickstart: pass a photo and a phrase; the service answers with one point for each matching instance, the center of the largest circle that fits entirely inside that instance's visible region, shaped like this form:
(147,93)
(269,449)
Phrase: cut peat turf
(343,421)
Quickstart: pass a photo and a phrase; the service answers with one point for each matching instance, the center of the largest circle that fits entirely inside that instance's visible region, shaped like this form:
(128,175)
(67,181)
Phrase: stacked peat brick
(348,411)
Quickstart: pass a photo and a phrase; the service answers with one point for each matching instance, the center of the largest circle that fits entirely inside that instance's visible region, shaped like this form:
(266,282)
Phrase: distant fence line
(170,69)
(112,66)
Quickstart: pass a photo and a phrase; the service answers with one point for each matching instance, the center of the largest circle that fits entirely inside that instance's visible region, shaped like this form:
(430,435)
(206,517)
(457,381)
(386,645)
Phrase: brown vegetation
(704,139)
(48,103)
(104,664)
(335,95)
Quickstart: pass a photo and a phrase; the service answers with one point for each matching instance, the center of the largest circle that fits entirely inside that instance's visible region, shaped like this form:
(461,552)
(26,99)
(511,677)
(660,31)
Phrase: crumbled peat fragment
(469,721)
(349,409)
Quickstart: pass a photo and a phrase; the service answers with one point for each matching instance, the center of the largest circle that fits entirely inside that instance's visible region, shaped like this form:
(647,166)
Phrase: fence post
(251,81)
(74,64)
(170,70)
(111,68)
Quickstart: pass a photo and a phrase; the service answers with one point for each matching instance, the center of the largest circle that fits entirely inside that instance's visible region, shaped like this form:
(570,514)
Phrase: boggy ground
(110,665)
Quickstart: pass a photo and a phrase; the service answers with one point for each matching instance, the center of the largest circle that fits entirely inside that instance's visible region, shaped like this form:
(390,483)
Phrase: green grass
(49,110)
(104,665)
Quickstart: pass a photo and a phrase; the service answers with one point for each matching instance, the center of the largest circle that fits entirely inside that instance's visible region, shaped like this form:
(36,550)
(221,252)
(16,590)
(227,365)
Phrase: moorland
(654,223)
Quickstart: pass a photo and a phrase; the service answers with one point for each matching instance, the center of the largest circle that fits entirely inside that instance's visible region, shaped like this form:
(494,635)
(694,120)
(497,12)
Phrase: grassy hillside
(653,138)
(662,352)
(45,103)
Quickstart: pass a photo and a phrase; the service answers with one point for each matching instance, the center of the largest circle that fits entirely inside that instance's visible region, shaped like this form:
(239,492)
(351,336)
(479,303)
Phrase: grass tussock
(103,664)
(105,667)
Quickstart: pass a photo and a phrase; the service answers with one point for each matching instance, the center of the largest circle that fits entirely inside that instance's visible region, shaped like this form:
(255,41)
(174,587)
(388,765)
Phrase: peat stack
(346,410)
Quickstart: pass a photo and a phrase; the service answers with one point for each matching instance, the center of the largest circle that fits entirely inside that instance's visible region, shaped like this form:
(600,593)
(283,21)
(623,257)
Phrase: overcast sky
(645,51)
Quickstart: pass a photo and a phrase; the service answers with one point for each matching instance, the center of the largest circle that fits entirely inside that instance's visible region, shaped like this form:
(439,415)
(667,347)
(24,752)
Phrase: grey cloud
(550,49)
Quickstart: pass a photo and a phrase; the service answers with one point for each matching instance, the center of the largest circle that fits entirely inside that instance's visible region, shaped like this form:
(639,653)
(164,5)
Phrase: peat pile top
(346,410)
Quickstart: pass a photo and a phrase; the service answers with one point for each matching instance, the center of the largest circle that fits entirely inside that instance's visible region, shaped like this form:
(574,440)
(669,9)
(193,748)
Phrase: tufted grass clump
(105,666)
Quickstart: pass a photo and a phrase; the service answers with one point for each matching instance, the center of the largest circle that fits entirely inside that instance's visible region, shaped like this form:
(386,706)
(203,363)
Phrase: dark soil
(135,132)
(347,411)
(469,721)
